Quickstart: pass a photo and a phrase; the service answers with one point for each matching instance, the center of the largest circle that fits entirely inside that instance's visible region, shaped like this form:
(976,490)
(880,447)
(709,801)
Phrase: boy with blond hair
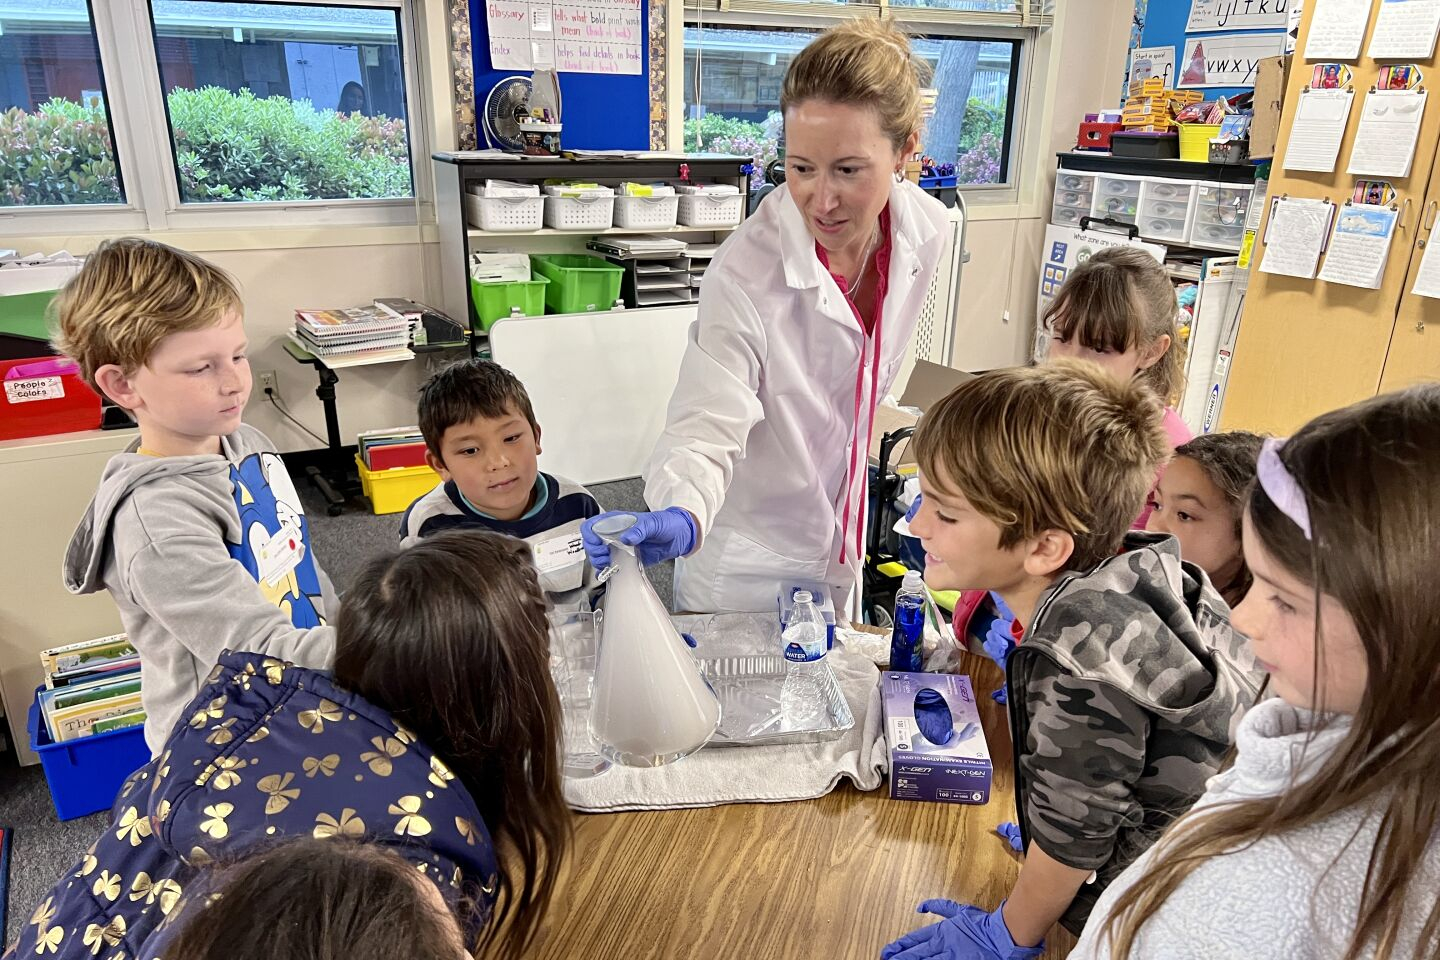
(1129,680)
(196,530)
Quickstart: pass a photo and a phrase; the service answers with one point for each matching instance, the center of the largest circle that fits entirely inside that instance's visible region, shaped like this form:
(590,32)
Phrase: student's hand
(999,641)
(665,535)
(966,933)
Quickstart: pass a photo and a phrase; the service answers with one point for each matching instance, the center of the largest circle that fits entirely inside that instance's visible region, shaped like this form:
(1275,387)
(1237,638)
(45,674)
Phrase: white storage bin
(579,213)
(646,213)
(1068,216)
(701,210)
(504,214)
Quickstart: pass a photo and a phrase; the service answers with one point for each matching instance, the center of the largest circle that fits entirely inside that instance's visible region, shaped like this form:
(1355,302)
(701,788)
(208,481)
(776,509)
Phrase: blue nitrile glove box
(955,771)
(824,602)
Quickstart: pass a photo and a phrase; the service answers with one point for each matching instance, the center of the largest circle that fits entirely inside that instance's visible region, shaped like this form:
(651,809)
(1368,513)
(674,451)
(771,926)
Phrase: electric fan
(507,102)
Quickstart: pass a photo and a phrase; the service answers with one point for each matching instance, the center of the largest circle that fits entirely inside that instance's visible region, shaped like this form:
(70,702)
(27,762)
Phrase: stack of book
(352,331)
(393,447)
(91,687)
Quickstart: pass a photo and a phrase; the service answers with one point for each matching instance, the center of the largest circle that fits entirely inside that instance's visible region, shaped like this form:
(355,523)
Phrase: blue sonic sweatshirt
(266,751)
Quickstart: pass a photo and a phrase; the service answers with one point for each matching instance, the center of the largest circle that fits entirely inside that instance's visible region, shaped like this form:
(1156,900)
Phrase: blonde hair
(130,295)
(1063,446)
(1121,298)
(865,63)
(1367,475)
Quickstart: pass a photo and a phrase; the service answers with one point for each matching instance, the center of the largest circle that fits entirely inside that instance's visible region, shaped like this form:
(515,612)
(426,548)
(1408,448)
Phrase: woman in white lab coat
(804,319)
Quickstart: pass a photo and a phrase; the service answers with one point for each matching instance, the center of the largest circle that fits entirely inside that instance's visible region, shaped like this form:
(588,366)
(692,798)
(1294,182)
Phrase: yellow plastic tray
(391,491)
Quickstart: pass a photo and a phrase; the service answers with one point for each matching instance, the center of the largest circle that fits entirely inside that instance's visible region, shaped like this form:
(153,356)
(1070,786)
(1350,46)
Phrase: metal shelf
(1141,167)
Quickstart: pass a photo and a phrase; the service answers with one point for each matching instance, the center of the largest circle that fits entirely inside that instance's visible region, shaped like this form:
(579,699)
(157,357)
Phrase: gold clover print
(221,735)
(467,830)
(133,827)
(48,941)
(43,914)
(199,858)
(403,735)
(440,774)
(214,675)
(274,670)
(326,765)
(224,770)
(166,891)
(347,825)
(107,885)
(315,720)
(88,865)
(140,888)
(379,758)
(97,936)
(216,828)
(242,678)
(411,824)
(260,733)
(276,789)
(213,711)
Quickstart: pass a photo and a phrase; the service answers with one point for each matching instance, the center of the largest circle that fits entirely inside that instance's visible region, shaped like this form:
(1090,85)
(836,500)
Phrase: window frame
(932,23)
(140,127)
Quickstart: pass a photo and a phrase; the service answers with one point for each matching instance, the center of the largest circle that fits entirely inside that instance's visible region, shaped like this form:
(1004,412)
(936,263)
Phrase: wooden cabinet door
(1414,353)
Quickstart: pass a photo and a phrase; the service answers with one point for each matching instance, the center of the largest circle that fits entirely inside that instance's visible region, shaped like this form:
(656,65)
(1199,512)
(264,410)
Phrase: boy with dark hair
(482,438)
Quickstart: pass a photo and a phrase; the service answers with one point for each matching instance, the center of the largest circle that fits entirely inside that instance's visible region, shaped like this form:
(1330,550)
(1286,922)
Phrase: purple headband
(1280,486)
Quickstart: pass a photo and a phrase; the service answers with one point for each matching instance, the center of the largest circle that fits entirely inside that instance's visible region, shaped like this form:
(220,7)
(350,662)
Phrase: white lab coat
(762,423)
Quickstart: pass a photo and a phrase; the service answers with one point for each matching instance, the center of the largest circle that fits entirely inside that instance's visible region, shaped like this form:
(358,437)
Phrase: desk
(833,879)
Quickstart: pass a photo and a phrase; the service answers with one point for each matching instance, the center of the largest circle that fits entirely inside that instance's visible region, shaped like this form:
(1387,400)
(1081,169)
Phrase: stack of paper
(499,266)
(642,244)
(507,188)
(90,687)
(709,189)
(646,190)
(555,189)
(350,331)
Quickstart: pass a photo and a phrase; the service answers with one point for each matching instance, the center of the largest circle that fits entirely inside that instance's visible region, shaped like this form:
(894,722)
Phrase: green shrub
(228,146)
(980,119)
(59,154)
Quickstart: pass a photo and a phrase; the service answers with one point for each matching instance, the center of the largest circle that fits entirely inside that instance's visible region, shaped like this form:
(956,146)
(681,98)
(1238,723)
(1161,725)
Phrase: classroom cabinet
(1308,346)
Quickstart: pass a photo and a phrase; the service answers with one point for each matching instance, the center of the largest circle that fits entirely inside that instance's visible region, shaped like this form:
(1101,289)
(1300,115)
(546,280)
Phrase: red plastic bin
(45,395)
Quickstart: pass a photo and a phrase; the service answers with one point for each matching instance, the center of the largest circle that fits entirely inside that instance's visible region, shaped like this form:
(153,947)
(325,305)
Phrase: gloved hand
(660,536)
(1000,639)
(1011,832)
(966,933)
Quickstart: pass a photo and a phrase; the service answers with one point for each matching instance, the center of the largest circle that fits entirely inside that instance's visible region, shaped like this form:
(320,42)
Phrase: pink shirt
(1178,433)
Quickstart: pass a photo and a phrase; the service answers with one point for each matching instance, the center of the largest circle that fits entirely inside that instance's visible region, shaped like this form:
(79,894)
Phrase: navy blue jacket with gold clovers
(266,751)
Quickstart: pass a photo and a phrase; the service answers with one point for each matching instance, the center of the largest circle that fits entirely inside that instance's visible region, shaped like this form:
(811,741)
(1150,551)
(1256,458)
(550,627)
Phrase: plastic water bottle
(909,631)
(802,696)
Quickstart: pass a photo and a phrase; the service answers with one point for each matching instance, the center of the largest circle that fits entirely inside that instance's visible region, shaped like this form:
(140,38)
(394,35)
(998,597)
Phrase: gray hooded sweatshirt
(203,554)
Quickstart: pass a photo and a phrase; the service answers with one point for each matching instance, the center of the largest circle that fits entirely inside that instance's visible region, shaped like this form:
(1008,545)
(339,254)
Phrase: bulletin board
(1166,24)
(599,112)
(1306,346)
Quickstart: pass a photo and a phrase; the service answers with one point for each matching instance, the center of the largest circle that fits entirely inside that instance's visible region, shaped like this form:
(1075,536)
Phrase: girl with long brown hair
(1322,840)
(436,736)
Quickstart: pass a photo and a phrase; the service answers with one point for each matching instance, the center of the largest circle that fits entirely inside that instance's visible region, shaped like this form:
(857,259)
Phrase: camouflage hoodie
(1124,699)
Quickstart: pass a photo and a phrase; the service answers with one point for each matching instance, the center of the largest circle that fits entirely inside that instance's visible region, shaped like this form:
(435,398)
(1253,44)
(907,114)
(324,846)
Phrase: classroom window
(732,94)
(56,143)
(283,101)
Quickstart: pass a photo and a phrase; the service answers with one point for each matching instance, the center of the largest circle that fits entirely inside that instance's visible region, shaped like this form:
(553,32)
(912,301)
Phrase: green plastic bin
(578,283)
(496,301)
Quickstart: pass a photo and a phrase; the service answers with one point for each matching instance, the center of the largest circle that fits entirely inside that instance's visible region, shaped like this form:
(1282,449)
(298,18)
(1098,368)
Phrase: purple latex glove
(1000,639)
(966,933)
(657,537)
(1011,832)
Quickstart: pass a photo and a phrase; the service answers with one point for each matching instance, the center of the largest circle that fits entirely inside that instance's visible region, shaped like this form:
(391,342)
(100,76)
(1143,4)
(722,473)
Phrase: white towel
(716,775)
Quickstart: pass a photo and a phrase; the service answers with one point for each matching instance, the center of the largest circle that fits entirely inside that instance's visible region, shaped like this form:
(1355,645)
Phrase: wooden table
(833,878)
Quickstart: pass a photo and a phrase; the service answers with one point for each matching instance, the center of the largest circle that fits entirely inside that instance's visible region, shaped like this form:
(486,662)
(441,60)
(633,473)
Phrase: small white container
(646,213)
(701,210)
(579,213)
(504,214)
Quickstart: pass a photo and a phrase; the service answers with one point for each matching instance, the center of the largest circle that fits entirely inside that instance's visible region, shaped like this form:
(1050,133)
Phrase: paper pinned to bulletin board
(1214,15)
(1147,62)
(1360,245)
(572,36)
(1226,59)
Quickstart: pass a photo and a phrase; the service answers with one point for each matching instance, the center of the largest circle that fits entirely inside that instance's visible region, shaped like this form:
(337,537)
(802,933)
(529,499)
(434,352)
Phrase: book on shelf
(76,654)
(398,342)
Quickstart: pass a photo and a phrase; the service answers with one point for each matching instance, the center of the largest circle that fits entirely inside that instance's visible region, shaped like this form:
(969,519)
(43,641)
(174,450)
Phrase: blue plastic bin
(85,774)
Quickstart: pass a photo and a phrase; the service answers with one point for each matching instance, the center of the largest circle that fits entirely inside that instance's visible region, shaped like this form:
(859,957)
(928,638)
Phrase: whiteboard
(600,384)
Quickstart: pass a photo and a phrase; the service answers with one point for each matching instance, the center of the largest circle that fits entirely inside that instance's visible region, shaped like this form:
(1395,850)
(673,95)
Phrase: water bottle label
(796,653)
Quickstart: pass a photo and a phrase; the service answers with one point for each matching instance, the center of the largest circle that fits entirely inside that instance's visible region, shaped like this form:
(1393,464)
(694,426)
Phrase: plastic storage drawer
(1068,216)
(578,283)
(1117,198)
(85,774)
